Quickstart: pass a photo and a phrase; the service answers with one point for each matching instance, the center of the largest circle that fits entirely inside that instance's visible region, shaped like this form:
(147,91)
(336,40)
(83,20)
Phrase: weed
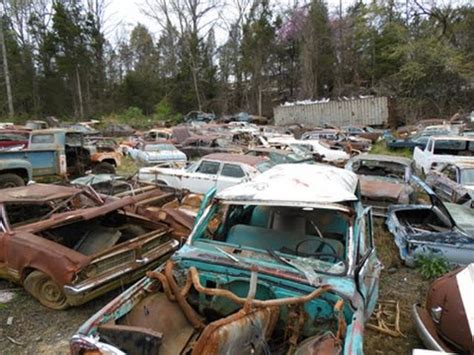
(432,266)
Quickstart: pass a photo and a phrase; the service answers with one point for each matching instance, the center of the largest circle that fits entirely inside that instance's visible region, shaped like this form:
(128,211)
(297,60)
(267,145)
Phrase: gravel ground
(38,330)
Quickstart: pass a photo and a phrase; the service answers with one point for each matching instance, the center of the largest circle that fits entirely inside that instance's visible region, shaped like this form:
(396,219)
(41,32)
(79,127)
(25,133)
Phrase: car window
(232,170)
(42,138)
(429,147)
(450,172)
(467,177)
(264,166)
(208,167)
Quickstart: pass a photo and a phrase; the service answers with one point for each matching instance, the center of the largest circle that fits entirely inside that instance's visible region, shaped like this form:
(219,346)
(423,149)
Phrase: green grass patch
(381,148)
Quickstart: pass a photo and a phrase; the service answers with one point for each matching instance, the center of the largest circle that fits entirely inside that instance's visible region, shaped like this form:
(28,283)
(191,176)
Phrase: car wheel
(104,168)
(10,180)
(45,290)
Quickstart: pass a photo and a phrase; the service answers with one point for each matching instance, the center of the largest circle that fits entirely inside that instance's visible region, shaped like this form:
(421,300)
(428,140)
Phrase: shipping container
(373,111)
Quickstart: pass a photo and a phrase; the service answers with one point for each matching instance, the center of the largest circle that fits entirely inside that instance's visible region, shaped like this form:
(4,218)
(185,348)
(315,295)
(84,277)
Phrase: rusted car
(442,229)
(14,139)
(105,154)
(445,323)
(67,246)
(453,182)
(384,180)
(199,146)
(284,264)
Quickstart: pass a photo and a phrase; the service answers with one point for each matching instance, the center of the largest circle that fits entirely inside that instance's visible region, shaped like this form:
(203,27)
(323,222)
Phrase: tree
(6,70)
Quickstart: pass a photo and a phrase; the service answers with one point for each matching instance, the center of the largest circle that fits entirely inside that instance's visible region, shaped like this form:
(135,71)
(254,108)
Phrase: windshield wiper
(307,270)
(229,255)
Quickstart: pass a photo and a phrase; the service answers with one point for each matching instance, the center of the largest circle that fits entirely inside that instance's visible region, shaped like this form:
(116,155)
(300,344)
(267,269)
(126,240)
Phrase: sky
(128,14)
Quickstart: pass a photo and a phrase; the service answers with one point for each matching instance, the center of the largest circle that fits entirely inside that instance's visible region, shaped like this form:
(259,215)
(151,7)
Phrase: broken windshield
(307,237)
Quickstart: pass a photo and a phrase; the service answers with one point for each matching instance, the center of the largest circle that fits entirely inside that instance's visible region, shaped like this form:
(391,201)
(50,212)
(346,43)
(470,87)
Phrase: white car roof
(297,185)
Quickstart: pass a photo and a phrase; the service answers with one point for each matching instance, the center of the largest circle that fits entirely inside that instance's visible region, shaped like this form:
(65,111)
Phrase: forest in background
(60,58)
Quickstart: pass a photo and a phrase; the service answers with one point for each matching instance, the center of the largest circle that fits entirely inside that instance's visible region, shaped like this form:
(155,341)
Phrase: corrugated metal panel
(361,112)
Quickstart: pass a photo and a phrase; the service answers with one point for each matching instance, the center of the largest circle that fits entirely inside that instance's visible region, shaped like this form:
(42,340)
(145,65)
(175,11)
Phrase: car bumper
(426,329)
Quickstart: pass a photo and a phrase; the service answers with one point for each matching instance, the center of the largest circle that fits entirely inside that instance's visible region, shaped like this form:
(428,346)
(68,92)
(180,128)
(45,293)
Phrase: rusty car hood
(85,214)
(380,189)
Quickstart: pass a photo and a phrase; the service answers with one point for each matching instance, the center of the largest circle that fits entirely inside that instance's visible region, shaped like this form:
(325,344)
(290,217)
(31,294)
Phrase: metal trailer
(374,111)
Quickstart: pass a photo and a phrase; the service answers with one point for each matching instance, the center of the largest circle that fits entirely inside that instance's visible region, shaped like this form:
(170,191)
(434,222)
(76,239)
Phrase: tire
(104,168)
(10,180)
(45,290)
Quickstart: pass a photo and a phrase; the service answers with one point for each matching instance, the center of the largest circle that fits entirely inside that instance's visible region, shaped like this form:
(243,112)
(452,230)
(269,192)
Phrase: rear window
(42,138)
(454,147)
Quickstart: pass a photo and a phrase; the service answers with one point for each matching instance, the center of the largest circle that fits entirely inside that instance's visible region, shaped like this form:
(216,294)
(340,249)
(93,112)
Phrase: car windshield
(313,237)
(158,147)
(467,176)
(301,150)
(379,168)
(264,165)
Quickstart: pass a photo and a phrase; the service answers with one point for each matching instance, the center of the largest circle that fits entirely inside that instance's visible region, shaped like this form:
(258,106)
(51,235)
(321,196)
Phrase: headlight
(436,314)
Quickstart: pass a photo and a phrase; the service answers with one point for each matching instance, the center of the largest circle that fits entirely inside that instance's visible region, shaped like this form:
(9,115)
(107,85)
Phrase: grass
(381,148)
(128,167)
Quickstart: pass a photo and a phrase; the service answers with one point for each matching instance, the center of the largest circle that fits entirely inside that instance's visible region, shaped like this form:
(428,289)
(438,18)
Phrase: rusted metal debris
(386,318)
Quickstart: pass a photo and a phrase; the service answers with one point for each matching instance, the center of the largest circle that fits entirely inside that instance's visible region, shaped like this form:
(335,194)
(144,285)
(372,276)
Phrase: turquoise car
(284,264)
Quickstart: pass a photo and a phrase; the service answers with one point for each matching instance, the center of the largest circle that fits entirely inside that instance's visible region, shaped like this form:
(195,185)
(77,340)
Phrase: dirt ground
(37,330)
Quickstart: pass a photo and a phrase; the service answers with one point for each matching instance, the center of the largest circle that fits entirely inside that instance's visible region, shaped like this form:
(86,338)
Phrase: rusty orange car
(67,246)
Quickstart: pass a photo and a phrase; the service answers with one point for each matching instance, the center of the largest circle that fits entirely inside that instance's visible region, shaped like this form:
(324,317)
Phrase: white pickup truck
(441,150)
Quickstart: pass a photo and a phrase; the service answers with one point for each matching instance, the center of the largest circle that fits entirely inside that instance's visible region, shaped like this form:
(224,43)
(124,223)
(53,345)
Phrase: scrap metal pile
(244,238)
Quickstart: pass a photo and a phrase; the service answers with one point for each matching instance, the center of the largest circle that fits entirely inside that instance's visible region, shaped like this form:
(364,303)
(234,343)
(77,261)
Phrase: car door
(231,174)
(368,265)
(203,178)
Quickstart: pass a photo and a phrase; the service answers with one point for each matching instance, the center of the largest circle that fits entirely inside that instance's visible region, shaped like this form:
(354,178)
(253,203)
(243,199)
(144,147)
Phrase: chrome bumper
(423,332)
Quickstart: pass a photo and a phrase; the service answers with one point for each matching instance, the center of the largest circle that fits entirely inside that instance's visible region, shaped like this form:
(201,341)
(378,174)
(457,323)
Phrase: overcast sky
(128,13)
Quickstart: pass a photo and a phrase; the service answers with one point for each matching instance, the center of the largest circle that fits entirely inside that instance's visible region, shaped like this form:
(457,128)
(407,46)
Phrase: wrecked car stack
(262,269)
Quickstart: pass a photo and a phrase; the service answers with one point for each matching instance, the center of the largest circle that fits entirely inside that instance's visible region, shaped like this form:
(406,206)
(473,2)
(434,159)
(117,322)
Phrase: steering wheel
(317,252)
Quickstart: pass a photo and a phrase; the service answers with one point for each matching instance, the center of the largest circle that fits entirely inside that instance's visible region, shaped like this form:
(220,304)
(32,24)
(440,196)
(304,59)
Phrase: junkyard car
(384,180)
(453,182)
(445,322)
(118,130)
(13,139)
(442,229)
(282,264)
(66,246)
(442,150)
(318,148)
(105,153)
(199,146)
(155,153)
(280,156)
(217,170)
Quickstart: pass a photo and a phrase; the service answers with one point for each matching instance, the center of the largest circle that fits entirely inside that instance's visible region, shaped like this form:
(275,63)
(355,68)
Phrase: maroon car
(14,139)
(446,322)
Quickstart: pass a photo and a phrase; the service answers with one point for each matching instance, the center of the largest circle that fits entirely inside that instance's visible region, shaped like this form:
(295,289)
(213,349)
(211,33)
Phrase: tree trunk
(196,88)
(79,93)
(11,111)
